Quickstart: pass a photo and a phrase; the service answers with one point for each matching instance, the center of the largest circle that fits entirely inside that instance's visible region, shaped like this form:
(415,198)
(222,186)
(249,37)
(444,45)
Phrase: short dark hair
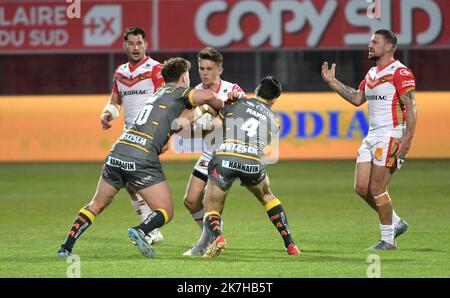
(388,35)
(210,53)
(269,88)
(133,31)
(173,68)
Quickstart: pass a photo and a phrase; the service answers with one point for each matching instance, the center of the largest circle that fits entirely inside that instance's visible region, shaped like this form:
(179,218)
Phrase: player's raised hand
(328,74)
(233,96)
(106,119)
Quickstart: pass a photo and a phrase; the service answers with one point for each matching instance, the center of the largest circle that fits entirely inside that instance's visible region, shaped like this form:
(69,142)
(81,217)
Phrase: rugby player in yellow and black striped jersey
(134,159)
(248,126)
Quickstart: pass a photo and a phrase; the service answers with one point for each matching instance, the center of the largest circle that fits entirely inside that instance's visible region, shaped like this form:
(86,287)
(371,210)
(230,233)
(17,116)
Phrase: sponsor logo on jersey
(408,83)
(376,97)
(133,92)
(134,138)
(124,165)
(404,72)
(244,168)
(238,148)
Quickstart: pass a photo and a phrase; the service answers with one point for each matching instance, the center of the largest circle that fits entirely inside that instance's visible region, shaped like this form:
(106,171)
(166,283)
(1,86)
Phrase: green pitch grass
(330,223)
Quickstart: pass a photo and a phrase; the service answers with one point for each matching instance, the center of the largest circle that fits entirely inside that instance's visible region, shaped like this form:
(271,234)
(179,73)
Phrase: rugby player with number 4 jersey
(248,126)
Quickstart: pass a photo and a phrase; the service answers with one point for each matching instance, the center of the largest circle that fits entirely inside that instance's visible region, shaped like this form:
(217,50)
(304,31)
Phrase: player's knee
(169,215)
(376,190)
(362,191)
(192,203)
(97,206)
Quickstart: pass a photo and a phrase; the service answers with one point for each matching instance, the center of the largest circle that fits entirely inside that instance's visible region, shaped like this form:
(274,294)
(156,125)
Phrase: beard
(373,57)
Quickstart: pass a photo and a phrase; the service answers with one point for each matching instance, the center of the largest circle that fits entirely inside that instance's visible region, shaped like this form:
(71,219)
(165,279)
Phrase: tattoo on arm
(409,96)
(346,92)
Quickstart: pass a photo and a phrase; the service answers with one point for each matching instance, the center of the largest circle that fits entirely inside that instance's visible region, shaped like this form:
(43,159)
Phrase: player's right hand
(233,96)
(328,74)
(106,119)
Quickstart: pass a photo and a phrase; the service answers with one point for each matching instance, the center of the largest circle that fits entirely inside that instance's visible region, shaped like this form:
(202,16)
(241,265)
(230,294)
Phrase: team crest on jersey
(404,72)
(379,153)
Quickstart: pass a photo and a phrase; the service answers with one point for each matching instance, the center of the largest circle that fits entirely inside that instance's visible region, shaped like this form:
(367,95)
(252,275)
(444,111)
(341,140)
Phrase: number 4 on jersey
(251,127)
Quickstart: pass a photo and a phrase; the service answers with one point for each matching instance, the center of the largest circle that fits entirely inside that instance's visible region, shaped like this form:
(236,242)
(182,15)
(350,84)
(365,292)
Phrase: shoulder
(121,68)
(151,64)
(227,86)
(183,91)
(402,70)
(371,70)
(199,86)
(402,73)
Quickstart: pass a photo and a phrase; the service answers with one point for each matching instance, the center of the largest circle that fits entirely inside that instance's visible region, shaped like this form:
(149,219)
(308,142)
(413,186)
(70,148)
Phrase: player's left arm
(405,84)
(409,101)
(189,116)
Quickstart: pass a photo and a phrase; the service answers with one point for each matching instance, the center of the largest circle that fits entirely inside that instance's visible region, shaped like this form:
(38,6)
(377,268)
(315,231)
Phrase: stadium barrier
(313,126)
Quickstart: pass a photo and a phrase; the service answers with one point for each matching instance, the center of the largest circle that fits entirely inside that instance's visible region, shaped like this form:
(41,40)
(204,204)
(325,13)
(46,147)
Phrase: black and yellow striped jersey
(155,123)
(248,126)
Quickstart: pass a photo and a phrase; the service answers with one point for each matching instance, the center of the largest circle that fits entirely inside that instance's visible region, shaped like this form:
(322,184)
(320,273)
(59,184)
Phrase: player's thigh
(103,196)
(362,177)
(158,196)
(194,190)
(214,197)
(380,178)
(262,191)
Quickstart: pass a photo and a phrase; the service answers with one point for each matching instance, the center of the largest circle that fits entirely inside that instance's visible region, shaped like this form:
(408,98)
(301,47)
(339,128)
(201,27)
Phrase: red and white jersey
(382,88)
(135,85)
(223,89)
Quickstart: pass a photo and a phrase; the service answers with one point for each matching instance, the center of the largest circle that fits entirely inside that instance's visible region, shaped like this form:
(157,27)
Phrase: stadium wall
(313,126)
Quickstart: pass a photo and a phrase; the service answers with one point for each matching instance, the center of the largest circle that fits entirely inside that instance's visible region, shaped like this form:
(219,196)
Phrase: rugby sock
(84,219)
(205,238)
(212,223)
(395,218)
(145,209)
(278,218)
(137,208)
(155,220)
(198,217)
(387,233)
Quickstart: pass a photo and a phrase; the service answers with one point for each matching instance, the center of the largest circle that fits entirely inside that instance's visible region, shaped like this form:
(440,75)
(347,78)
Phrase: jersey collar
(379,69)
(133,68)
(265,101)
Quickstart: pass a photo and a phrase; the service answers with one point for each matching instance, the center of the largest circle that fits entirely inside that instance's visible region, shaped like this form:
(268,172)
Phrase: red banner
(69,26)
(29,26)
(300,24)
